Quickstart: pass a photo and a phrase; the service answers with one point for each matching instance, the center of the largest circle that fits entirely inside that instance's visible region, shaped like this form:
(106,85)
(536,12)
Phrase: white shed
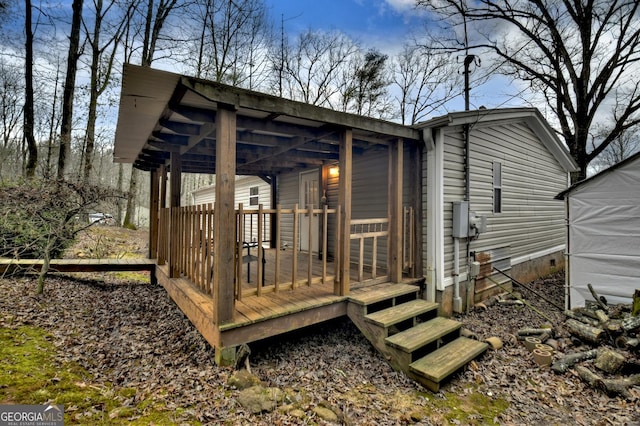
(603,234)
(251,191)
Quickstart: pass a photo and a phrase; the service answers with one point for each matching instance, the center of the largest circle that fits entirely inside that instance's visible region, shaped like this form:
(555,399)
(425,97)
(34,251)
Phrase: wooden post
(154,201)
(346,153)
(163,186)
(174,203)
(416,201)
(224,215)
(395,211)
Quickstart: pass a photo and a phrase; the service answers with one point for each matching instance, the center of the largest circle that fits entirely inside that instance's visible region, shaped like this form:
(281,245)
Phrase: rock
(258,399)
(416,416)
(243,379)
(297,413)
(325,414)
(609,360)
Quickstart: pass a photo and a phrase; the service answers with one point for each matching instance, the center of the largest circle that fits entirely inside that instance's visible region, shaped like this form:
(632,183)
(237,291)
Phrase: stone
(326,414)
(243,379)
(258,399)
(610,361)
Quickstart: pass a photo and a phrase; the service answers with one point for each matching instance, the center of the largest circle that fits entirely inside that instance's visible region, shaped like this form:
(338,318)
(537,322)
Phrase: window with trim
(254,196)
(497,187)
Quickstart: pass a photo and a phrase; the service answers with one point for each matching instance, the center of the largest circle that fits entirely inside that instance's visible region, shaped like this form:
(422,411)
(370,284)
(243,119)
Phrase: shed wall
(604,231)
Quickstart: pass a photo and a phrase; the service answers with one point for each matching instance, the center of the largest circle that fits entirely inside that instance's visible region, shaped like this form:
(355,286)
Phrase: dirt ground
(128,334)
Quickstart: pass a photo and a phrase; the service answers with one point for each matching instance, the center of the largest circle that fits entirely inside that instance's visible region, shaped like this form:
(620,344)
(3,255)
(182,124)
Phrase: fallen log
(581,318)
(612,387)
(602,316)
(585,332)
(527,331)
(562,365)
(597,298)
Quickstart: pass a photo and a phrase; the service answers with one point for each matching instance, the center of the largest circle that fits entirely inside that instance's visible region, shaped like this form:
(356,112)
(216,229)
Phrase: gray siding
(288,197)
(531,220)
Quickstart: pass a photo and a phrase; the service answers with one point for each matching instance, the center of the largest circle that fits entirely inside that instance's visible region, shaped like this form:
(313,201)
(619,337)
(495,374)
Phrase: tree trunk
(69,88)
(32,159)
(131,200)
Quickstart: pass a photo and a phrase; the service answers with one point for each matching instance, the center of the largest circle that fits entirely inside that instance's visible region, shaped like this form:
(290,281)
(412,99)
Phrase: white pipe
(457,300)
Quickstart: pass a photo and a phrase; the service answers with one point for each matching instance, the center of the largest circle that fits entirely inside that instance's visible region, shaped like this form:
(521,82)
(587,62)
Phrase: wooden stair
(410,335)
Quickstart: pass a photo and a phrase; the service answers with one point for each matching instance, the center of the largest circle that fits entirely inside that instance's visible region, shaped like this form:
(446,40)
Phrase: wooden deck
(259,317)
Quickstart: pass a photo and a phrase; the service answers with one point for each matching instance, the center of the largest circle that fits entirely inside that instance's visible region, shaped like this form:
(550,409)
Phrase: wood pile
(613,333)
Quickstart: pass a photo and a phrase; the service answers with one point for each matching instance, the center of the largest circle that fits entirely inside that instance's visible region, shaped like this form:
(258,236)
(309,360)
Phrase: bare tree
(426,81)
(32,160)
(624,146)
(11,108)
(233,41)
(101,66)
(69,88)
(366,91)
(581,56)
(313,64)
(155,19)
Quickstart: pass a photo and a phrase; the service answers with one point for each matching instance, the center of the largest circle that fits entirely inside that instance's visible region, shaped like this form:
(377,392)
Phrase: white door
(309,197)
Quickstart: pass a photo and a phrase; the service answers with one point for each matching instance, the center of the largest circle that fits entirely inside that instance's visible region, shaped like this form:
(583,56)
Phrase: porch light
(334,171)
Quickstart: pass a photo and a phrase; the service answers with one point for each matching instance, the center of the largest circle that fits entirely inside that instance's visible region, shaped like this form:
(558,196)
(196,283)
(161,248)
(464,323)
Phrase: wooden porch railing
(408,238)
(373,230)
(186,236)
(303,265)
(185,244)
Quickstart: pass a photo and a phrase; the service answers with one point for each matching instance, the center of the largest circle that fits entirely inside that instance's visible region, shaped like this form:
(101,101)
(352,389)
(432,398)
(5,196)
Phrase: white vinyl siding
(242,195)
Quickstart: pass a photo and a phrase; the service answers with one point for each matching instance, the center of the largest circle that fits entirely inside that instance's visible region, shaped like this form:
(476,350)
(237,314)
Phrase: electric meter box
(460,219)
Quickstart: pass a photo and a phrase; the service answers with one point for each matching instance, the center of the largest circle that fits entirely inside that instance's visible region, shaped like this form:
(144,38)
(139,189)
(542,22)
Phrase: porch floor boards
(249,286)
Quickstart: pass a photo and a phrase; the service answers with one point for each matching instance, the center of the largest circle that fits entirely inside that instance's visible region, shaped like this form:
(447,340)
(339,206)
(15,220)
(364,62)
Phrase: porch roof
(162,112)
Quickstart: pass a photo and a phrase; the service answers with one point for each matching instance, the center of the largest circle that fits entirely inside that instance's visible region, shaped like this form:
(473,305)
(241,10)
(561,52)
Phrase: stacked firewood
(613,333)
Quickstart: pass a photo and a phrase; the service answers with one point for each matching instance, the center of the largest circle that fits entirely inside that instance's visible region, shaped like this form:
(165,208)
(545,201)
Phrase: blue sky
(375,23)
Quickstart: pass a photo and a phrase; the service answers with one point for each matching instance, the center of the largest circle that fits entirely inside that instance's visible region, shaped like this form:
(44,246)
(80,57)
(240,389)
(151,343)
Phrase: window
(254,197)
(497,187)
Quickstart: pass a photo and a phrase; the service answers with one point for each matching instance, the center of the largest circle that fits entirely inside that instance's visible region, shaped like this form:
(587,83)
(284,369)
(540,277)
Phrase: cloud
(401,5)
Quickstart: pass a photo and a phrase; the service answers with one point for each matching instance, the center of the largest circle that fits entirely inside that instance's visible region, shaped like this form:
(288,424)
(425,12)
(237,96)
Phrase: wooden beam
(154,203)
(168,138)
(395,211)
(224,238)
(175,183)
(242,98)
(346,170)
(187,129)
(174,202)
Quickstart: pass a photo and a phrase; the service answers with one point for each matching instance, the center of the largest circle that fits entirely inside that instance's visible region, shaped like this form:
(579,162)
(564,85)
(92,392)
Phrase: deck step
(396,314)
(381,293)
(438,365)
(423,334)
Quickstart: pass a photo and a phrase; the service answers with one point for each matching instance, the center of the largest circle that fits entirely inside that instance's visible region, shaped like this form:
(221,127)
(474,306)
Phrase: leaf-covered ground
(125,353)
